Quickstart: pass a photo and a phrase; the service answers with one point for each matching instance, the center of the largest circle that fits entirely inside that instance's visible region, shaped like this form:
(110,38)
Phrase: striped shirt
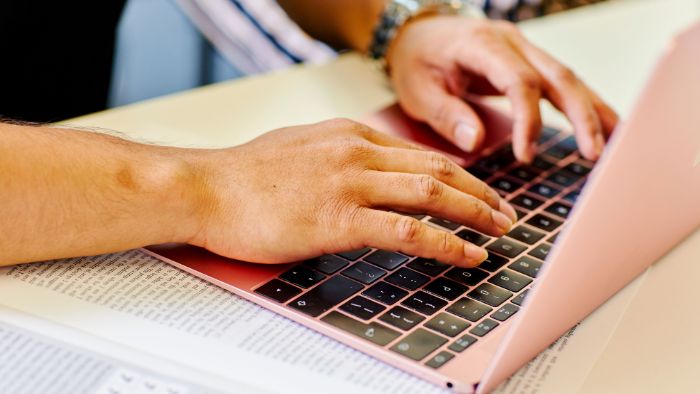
(257,36)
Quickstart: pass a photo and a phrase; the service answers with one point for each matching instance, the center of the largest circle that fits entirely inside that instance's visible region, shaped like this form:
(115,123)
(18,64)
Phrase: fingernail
(474,253)
(465,137)
(508,210)
(501,221)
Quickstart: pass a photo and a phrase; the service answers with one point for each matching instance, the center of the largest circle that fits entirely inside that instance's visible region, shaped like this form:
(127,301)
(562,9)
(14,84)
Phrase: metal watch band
(398,12)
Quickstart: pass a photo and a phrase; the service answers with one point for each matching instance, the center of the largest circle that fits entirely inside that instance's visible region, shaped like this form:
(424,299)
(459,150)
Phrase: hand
(304,191)
(436,61)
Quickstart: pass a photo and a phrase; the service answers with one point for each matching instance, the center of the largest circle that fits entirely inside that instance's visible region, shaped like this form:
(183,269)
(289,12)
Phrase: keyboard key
(408,279)
(506,247)
(484,327)
(547,134)
(374,332)
(428,266)
(527,202)
(553,238)
(526,234)
(544,190)
(467,276)
(521,213)
(572,196)
(518,300)
(326,295)
(479,173)
(578,168)
(496,161)
(418,344)
(444,223)
(493,263)
(490,294)
(302,276)
(562,178)
(526,265)
(424,303)
(562,148)
(462,343)
(504,312)
(473,237)
(363,272)
(541,163)
(524,173)
(469,309)
(447,324)
(401,318)
(559,209)
(385,259)
(353,255)
(278,290)
(328,264)
(439,359)
(414,215)
(506,185)
(385,293)
(363,308)
(544,222)
(541,251)
(510,280)
(445,288)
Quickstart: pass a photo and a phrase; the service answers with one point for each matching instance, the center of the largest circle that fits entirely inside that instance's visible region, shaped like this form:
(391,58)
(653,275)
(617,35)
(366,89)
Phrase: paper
(140,302)
(134,299)
(33,363)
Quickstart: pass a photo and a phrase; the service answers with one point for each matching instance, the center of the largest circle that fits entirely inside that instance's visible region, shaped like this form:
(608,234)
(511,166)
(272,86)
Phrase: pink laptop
(573,247)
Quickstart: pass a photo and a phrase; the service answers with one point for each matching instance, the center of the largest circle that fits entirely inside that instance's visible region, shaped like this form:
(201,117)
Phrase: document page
(134,299)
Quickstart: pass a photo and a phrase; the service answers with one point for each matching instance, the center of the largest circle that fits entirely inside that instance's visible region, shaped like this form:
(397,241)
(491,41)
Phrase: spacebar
(374,332)
(326,295)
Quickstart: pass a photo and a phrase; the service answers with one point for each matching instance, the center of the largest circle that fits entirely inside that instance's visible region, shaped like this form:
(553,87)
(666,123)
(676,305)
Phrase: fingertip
(508,210)
(474,255)
(467,137)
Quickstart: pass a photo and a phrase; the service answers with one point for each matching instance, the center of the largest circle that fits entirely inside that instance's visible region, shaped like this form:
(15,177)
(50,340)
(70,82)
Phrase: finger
(513,76)
(443,169)
(425,194)
(428,100)
(387,140)
(608,116)
(392,231)
(569,95)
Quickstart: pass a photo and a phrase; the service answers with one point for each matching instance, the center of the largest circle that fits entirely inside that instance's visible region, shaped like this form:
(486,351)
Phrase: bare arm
(66,193)
(69,193)
(437,61)
(344,24)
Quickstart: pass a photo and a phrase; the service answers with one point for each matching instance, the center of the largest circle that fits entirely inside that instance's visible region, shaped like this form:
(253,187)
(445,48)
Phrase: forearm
(70,193)
(340,23)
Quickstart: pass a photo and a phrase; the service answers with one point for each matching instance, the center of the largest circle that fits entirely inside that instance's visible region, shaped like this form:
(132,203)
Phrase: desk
(612,46)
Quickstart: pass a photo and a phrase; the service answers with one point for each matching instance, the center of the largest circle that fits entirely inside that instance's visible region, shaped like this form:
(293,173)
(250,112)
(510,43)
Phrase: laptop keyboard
(429,311)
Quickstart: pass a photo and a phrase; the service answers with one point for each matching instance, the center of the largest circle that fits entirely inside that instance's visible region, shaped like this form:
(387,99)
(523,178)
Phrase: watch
(398,12)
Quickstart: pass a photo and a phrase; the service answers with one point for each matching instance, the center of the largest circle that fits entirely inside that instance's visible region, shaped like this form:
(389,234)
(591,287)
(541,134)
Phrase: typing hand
(304,191)
(437,61)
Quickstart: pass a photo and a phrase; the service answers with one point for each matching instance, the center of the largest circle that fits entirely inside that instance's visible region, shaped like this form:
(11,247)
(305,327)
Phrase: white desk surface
(612,46)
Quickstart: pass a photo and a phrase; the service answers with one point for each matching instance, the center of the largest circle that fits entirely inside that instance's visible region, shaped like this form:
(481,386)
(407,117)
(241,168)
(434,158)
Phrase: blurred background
(160,50)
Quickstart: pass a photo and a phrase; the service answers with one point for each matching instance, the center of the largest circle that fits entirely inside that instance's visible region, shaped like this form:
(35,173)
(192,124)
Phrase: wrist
(177,184)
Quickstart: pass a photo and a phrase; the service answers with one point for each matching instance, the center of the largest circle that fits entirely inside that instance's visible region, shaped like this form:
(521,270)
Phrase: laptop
(584,231)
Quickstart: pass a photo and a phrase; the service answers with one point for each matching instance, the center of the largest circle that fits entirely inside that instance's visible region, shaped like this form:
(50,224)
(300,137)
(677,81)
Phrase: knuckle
(440,116)
(480,211)
(429,188)
(445,243)
(528,80)
(564,75)
(355,150)
(441,166)
(408,229)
